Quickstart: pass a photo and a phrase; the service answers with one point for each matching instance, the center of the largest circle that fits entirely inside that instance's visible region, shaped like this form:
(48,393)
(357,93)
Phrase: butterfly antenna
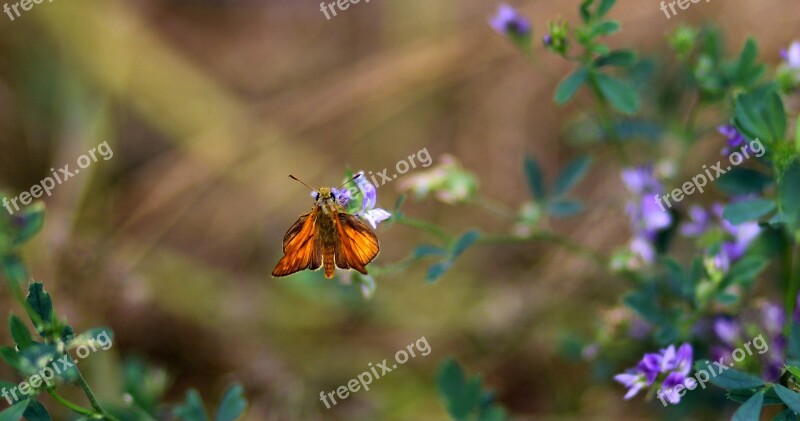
(350,180)
(301,182)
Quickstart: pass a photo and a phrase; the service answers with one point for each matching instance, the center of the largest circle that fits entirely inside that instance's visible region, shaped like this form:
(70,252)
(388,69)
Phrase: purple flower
(700,222)
(735,140)
(646,216)
(641,181)
(368,192)
(728,330)
(342,195)
(684,360)
(674,364)
(671,382)
(792,55)
(369,195)
(508,21)
(772,319)
(547,40)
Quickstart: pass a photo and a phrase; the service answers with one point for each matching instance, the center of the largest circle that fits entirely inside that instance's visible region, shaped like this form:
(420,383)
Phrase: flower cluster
(788,74)
(768,322)
(449,182)
(737,237)
(509,22)
(557,38)
(647,219)
(669,365)
(369,199)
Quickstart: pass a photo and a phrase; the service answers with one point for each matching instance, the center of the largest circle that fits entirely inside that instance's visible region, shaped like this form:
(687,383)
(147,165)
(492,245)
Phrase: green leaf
(750,210)
(742,395)
(793,346)
(761,115)
(620,95)
(794,370)
(436,271)
(37,412)
(571,175)
(19,332)
(586,14)
(605,28)
(744,270)
(786,415)
(730,378)
(426,250)
(789,397)
(747,71)
(461,397)
(789,194)
(619,58)
(465,242)
(797,134)
(743,181)
(535,179)
(604,7)
(192,409)
(14,412)
(11,357)
(233,404)
(570,85)
(450,378)
(751,410)
(41,303)
(29,222)
(563,208)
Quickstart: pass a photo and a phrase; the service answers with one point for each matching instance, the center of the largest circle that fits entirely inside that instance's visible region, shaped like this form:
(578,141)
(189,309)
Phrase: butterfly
(327,237)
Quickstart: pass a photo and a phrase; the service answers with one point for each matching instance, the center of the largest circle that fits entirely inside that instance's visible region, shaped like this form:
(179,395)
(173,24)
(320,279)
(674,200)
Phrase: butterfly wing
(357,246)
(301,247)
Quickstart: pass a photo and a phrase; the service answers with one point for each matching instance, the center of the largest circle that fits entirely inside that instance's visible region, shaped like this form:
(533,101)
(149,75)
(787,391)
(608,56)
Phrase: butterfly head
(325,195)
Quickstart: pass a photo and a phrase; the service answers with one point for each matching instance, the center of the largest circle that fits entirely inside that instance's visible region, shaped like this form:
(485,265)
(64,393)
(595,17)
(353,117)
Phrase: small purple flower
(684,360)
(674,364)
(376,216)
(508,21)
(772,319)
(792,55)
(728,330)
(368,211)
(646,216)
(547,40)
(634,381)
(641,181)
(700,222)
(671,382)
(342,195)
(735,140)
(368,192)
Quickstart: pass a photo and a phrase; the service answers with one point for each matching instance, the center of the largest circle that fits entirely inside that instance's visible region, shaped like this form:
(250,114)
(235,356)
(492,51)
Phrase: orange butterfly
(327,236)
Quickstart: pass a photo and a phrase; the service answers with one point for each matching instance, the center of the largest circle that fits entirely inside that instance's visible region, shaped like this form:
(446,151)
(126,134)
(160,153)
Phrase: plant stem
(424,226)
(92,399)
(72,406)
(794,282)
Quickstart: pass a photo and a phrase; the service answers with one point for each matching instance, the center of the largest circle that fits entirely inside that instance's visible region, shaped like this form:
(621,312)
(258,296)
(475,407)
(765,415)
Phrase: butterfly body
(327,237)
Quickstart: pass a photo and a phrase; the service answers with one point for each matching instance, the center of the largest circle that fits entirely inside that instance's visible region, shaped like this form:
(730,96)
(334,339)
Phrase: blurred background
(209,104)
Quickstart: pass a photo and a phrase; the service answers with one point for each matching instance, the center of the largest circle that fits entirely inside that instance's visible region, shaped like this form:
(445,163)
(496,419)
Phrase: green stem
(424,226)
(496,208)
(794,282)
(92,399)
(72,406)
